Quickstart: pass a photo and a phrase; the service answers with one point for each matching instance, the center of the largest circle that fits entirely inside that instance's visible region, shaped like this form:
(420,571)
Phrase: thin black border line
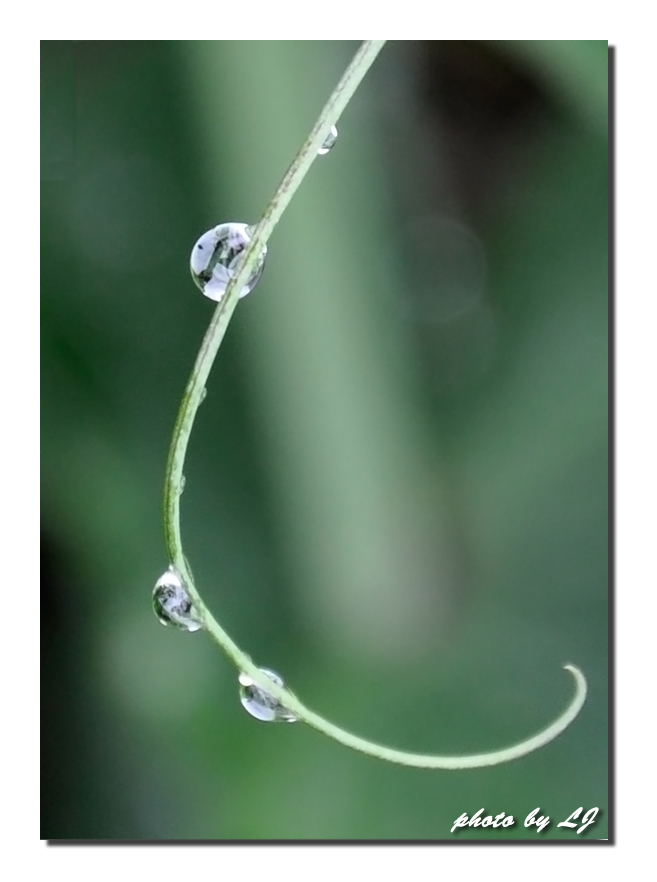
(329,842)
(611,510)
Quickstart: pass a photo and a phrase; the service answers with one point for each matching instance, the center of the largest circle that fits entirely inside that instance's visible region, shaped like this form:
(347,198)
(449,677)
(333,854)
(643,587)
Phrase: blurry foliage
(397,487)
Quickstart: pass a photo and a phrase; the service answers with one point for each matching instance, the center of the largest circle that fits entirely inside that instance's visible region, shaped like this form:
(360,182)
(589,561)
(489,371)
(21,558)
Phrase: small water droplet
(204,395)
(183,481)
(261,704)
(329,141)
(215,259)
(172,604)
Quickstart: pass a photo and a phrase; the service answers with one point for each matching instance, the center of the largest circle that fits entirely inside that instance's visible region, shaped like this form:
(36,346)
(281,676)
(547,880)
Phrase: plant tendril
(192,397)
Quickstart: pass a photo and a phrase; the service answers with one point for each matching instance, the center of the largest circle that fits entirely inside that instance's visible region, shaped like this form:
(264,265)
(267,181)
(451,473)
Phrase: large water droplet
(216,256)
(172,604)
(329,141)
(260,704)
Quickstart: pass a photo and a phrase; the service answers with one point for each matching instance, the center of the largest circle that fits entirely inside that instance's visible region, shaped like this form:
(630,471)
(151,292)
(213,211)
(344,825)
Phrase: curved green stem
(191,400)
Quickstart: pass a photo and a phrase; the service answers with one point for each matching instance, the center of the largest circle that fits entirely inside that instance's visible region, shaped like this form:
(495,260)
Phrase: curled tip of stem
(429,761)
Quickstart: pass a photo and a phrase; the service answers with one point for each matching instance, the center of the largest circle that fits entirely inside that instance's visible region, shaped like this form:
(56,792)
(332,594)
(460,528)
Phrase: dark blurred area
(396,489)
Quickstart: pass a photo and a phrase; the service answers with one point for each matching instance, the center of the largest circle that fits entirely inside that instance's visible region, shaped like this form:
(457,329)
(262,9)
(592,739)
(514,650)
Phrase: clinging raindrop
(329,141)
(172,604)
(215,259)
(260,704)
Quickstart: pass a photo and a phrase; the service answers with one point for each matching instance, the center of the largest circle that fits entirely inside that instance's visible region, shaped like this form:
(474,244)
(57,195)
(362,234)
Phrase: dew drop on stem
(172,604)
(329,141)
(260,704)
(216,256)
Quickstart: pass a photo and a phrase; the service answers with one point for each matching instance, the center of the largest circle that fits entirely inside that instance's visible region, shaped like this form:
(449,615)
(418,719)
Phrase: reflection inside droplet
(215,259)
(172,604)
(259,703)
(329,141)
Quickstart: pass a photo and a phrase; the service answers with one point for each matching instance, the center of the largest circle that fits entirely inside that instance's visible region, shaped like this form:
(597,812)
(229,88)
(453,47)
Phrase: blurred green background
(397,487)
